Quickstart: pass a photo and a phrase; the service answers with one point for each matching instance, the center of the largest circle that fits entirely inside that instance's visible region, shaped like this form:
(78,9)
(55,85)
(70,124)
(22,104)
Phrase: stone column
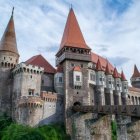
(111,98)
(119,99)
(121,127)
(101,95)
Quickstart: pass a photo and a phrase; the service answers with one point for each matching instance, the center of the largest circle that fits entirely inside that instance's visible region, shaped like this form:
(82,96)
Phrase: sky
(110,27)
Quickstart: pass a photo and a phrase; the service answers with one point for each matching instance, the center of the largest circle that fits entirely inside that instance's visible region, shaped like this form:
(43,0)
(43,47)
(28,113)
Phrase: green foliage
(12,131)
(114,130)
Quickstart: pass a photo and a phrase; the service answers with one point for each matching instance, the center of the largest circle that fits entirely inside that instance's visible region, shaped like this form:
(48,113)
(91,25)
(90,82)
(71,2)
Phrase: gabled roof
(108,70)
(116,74)
(99,66)
(134,89)
(123,77)
(77,68)
(136,72)
(40,61)
(72,35)
(8,40)
(59,69)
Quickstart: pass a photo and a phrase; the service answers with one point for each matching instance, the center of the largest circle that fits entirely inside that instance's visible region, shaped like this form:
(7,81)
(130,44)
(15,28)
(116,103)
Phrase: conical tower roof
(123,77)
(72,35)
(99,66)
(136,72)
(8,40)
(115,73)
(108,71)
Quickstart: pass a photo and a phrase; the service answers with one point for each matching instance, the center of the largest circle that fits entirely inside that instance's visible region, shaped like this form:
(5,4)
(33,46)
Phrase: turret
(100,83)
(124,88)
(8,60)
(109,78)
(27,83)
(100,74)
(59,80)
(118,87)
(109,98)
(135,79)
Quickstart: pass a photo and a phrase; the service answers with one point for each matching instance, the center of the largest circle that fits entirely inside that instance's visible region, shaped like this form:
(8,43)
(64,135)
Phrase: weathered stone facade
(34,93)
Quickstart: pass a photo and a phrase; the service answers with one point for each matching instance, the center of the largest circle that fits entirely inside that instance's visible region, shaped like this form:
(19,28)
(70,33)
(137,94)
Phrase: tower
(74,55)
(8,60)
(135,79)
(109,86)
(124,88)
(118,87)
(100,83)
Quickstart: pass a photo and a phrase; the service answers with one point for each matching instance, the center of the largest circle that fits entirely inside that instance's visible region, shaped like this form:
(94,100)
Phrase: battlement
(51,96)
(22,67)
(30,101)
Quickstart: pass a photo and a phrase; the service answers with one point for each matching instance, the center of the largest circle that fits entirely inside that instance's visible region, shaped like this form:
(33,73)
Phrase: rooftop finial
(12,11)
(70,6)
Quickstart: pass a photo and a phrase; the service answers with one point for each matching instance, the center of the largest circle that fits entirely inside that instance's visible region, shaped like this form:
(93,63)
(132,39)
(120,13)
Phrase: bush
(114,130)
(12,131)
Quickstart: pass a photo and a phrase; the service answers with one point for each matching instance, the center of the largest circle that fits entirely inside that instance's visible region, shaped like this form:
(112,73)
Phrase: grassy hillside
(12,131)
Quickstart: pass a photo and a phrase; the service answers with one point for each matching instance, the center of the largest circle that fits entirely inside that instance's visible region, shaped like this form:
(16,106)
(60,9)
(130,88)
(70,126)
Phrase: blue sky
(110,27)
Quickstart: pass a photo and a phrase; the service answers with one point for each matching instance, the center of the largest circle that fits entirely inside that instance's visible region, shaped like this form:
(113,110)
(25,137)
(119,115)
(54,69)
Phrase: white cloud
(40,25)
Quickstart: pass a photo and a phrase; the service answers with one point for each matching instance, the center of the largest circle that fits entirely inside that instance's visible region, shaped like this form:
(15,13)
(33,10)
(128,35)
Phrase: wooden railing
(126,110)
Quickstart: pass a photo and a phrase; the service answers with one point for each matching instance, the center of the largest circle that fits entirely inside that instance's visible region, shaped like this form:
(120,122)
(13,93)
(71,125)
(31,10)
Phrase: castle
(35,93)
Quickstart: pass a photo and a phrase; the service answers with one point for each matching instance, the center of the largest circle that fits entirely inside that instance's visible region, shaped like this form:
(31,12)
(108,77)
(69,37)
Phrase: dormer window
(77,78)
(60,80)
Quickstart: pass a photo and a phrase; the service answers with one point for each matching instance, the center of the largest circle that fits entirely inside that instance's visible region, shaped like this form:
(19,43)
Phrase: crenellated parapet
(51,96)
(30,101)
(24,68)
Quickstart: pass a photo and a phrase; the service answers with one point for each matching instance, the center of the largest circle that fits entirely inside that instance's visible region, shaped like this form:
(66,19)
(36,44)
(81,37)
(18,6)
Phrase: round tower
(135,79)
(124,88)
(109,99)
(118,87)
(100,83)
(8,59)
(30,110)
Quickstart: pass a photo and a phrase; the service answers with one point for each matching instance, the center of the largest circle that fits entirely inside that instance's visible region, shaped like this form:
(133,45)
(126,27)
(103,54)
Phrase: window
(60,79)
(31,76)
(109,82)
(31,92)
(101,79)
(92,77)
(81,65)
(77,78)
(42,82)
(72,64)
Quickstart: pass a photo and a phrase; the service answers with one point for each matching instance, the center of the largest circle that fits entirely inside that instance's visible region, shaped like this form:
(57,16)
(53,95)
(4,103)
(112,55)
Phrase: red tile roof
(77,68)
(72,35)
(99,66)
(134,89)
(40,61)
(94,59)
(123,77)
(59,69)
(116,74)
(108,70)
(8,40)
(136,72)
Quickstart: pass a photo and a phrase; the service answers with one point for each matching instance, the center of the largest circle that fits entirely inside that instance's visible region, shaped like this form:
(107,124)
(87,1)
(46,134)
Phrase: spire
(123,77)
(72,35)
(115,73)
(8,40)
(136,72)
(98,65)
(108,71)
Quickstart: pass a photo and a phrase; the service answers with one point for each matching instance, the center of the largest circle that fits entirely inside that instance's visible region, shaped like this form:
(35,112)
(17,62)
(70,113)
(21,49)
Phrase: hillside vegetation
(13,131)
